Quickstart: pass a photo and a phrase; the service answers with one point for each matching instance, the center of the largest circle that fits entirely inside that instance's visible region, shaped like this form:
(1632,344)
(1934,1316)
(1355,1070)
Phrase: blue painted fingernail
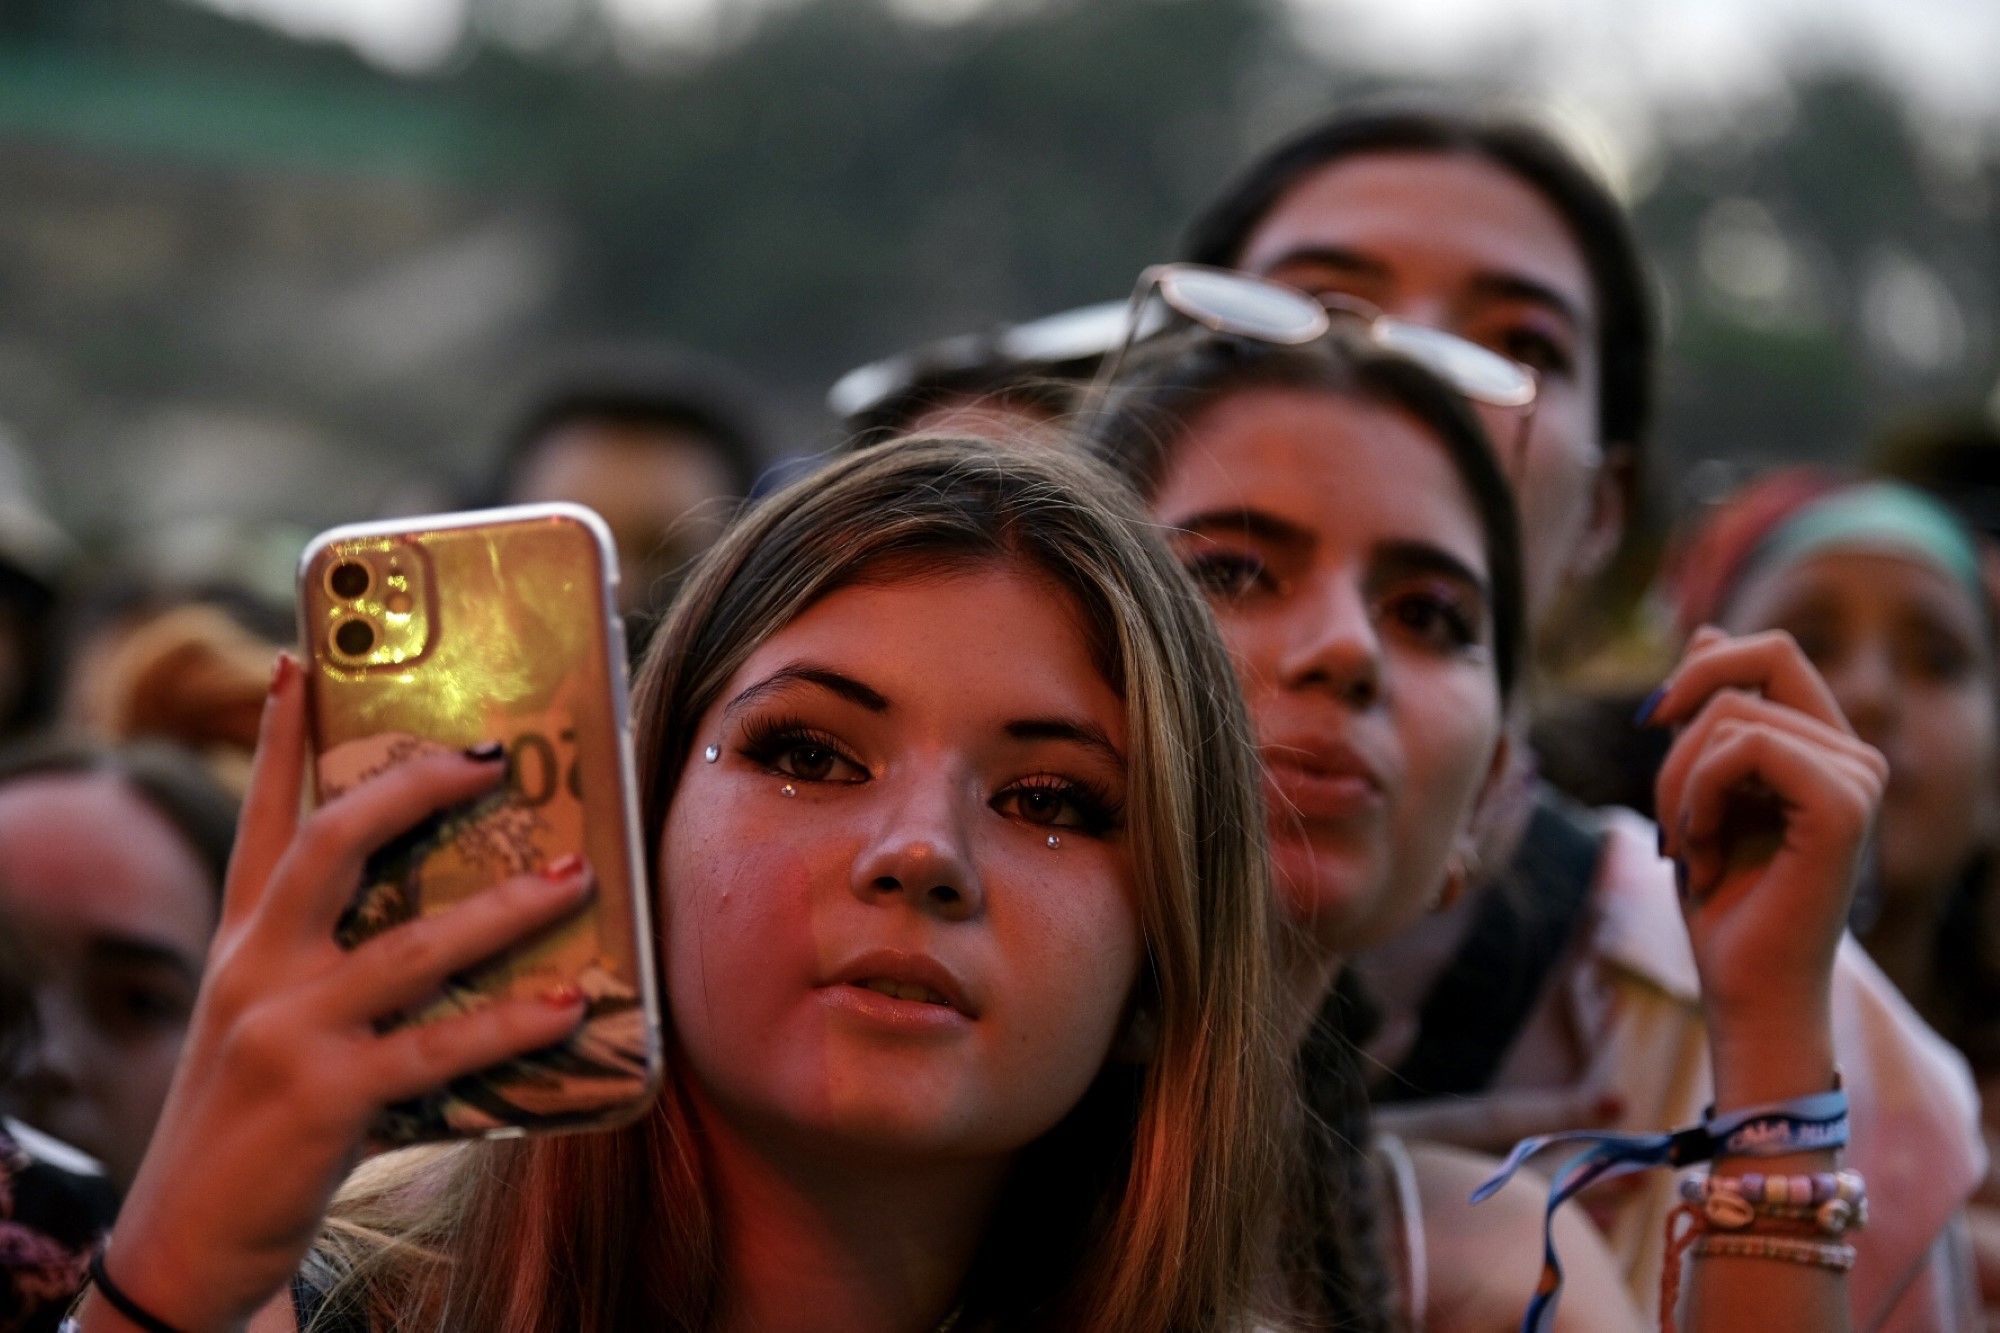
(1646,707)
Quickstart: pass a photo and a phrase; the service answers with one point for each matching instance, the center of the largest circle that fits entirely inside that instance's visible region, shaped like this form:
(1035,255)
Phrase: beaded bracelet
(1792,1249)
(1814,1123)
(1755,1186)
(1833,1202)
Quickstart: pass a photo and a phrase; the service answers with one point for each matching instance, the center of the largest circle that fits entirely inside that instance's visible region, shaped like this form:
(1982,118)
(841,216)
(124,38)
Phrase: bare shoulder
(1485,1260)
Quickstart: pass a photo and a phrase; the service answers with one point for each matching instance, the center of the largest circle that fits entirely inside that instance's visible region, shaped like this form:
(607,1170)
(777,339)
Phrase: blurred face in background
(108,911)
(1459,243)
(1909,656)
(665,494)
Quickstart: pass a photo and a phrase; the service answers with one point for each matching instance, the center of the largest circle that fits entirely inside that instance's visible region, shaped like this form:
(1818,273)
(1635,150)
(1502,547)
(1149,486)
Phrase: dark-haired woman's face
(110,910)
(1348,572)
(1459,243)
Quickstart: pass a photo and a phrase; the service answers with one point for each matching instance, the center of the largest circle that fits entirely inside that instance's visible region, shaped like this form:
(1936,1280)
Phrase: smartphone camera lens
(354,637)
(349,579)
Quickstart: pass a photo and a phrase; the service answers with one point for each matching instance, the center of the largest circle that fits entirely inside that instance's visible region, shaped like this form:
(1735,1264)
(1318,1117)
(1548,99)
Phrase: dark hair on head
(1626,333)
(1955,455)
(172,780)
(667,392)
(1000,384)
(1165,387)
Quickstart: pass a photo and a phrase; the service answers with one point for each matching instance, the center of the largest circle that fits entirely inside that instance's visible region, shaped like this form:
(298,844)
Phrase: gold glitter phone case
(447,631)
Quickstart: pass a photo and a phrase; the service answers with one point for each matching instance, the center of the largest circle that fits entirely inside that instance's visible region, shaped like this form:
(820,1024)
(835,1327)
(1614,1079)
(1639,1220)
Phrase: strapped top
(1523,921)
(1402,1208)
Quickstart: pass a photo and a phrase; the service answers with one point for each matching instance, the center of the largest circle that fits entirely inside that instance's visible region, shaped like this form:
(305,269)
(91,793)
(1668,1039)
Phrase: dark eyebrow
(1400,558)
(1487,282)
(1329,256)
(135,950)
(1514,287)
(1075,730)
(1244,522)
(807,673)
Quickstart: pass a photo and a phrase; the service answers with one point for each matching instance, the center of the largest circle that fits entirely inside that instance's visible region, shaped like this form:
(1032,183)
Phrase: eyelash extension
(1099,811)
(765,739)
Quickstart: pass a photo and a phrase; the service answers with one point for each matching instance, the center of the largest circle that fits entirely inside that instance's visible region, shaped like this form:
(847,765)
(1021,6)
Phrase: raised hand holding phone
(431,634)
(284,1066)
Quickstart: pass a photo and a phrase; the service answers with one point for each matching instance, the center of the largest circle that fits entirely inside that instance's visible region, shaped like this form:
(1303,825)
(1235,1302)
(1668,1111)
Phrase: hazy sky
(1595,51)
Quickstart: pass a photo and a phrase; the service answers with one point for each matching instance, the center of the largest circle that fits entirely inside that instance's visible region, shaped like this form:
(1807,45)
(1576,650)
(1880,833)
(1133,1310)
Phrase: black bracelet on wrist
(122,1303)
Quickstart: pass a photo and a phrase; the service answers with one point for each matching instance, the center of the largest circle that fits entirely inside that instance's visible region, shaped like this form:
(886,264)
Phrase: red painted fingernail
(563,868)
(564,996)
(283,670)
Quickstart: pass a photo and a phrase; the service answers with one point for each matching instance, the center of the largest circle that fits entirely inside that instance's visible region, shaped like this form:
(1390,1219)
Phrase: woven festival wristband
(1814,1123)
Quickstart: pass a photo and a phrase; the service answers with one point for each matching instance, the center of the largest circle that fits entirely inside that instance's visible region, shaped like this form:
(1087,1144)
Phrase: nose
(1863,682)
(921,852)
(1333,645)
(46,1062)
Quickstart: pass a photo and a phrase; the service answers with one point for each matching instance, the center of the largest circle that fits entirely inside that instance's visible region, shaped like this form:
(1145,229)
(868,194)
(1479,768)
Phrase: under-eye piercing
(1055,840)
(788,790)
(712,753)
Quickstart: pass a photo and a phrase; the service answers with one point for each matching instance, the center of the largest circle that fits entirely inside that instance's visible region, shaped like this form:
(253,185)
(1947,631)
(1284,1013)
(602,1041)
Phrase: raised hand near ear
(1765,802)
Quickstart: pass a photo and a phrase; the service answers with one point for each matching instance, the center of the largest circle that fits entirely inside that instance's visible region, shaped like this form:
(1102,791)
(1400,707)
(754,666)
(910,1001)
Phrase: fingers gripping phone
(448,631)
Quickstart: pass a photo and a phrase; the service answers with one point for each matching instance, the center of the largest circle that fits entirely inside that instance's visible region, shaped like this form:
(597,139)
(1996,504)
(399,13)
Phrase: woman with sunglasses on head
(1358,544)
(966,954)
(1545,998)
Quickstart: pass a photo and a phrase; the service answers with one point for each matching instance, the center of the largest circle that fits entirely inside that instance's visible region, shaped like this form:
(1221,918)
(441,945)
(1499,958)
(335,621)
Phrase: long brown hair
(1146,1208)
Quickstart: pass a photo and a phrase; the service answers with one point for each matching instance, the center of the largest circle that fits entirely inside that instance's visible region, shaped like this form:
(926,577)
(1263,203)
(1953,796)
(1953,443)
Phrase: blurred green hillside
(239,272)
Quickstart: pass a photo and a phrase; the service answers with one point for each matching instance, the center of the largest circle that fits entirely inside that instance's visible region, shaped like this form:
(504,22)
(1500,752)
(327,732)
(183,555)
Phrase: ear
(1610,511)
(1464,867)
(1138,1037)
(1460,869)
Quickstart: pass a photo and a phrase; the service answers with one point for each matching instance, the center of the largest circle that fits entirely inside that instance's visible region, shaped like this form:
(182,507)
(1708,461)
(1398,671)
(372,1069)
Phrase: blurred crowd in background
(265,268)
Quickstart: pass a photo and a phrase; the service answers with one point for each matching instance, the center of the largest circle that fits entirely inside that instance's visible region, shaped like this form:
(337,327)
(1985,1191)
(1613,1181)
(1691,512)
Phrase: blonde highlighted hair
(1147,1208)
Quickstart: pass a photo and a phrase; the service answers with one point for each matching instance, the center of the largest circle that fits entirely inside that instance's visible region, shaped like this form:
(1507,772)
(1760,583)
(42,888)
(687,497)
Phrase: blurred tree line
(240,269)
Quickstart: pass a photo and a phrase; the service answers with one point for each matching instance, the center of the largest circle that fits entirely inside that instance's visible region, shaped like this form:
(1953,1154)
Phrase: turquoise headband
(1877,516)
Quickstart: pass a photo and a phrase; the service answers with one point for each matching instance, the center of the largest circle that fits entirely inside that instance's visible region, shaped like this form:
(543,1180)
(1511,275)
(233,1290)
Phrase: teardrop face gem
(1055,840)
(788,790)
(712,753)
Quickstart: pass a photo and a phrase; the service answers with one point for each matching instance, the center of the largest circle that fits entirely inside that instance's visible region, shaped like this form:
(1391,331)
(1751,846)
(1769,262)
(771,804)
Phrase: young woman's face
(1457,242)
(1906,652)
(110,911)
(871,940)
(1348,572)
